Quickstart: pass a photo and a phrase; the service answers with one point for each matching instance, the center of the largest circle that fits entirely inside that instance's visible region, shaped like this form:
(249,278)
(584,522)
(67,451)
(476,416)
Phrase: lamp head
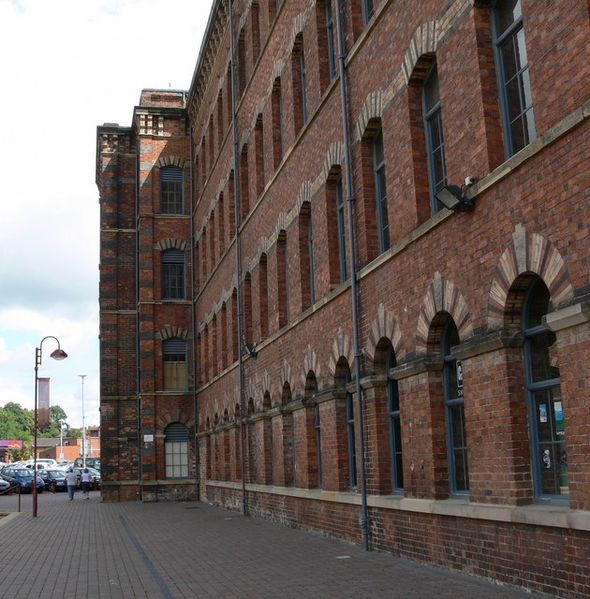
(59,354)
(453,198)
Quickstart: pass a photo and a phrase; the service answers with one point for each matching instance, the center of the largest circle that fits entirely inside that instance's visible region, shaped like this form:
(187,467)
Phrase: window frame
(510,34)
(368,10)
(171,190)
(380,182)
(330,46)
(183,444)
(341,230)
(450,403)
(532,387)
(429,114)
(318,442)
(394,417)
(169,385)
(173,258)
(351,438)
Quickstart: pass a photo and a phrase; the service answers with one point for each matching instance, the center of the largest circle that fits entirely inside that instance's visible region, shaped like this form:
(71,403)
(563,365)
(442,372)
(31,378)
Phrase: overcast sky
(67,66)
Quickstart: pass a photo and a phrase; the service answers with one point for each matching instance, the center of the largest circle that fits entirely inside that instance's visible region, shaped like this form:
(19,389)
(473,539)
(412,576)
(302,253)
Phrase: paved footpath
(86,548)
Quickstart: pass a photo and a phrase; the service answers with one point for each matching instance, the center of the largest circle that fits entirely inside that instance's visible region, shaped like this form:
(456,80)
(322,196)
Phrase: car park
(23,478)
(95,477)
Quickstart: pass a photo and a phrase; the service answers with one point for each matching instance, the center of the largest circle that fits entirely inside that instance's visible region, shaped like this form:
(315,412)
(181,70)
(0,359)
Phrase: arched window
(173,275)
(454,412)
(277,122)
(336,227)
(176,450)
(513,75)
(368,10)
(395,430)
(171,183)
(306,257)
(283,278)
(299,82)
(263,296)
(380,191)
(350,433)
(259,154)
(318,444)
(433,129)
(546,420)
(175,368)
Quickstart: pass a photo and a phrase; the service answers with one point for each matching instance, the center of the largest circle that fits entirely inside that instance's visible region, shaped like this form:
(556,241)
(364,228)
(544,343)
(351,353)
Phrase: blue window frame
(340,230)
(435,144)
(318,443)
(352,474)
(545,407)
(368,10)
(171,183)
(513,76)
(330,36)
(454,414)
(173,275)
(395,431)
(380,192)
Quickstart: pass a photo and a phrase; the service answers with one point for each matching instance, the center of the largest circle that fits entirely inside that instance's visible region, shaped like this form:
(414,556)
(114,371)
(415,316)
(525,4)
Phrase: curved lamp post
(57,354)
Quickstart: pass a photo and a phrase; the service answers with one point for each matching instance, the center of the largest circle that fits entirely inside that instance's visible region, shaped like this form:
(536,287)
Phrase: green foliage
(17,422)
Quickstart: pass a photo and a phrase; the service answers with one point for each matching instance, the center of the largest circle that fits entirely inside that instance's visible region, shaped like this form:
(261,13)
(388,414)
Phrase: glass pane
(461,476)
(518,137)
(537,305)
(506,12)
(431,93)
(543,357)
(520,49)
(399,472)
(513,99)
(458,425)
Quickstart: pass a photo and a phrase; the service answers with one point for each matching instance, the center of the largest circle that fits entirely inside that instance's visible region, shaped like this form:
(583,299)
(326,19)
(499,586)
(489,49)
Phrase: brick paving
(169,550)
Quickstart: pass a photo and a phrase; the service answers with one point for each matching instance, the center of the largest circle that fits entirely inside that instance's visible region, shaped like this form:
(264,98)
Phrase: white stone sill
(535,515)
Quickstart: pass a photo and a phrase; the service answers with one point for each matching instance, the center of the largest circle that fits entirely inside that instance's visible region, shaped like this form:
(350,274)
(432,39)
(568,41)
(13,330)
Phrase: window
(259,154)
(380,192)
(352,474)
(318,443)
(546,420)
(283,278)
(171,181)
(263,295)
(330,38)
(454,413)
(435,145)
(173,286)
(395,431)
(255,14)
(244,185)
(368,10)
(299,79)
(176,450)
(174,351)
(247,290)
(513,75)
(341,234)
(306,257)
(277,122)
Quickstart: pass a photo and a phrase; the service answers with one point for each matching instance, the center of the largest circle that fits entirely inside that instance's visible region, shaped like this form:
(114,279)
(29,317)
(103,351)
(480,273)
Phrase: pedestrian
(71,482)
(86,483)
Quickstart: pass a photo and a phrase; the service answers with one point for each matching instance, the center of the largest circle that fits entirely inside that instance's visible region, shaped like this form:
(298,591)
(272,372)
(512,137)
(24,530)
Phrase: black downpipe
(350,201)
(238,220)
(137,345)
(194,321)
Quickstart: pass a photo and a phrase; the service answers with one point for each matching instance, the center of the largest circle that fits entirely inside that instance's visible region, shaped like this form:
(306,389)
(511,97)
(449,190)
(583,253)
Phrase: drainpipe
(238,219)
(350,202)
(137,344)
(194,319)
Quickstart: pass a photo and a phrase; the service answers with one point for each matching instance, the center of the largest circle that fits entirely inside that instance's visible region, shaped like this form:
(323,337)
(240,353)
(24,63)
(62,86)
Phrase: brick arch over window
(304,195)
(384,326)
(342,347)
(527,253)
(170,161)
(170,415)
(286,375)
(334,157)
(310,363)
(371,111)
(297,29)
(418,56)
(171,244)
(172,332)
(442,297)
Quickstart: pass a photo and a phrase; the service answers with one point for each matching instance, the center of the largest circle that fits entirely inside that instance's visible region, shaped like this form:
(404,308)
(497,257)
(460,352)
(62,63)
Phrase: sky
(67,66)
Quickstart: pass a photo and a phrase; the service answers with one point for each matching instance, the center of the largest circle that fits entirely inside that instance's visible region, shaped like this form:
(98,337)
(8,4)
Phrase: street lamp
(57,354)
(83,376)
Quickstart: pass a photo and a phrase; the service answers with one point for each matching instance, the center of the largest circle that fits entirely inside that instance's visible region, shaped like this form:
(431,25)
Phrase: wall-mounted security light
(454,198)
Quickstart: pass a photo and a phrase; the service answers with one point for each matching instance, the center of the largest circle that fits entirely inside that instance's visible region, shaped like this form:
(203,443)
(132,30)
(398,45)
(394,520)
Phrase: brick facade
(275,341)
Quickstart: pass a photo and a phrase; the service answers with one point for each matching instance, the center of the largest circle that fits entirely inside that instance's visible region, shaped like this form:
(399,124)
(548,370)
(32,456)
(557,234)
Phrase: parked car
(23,478)
(90,463)
(55,480)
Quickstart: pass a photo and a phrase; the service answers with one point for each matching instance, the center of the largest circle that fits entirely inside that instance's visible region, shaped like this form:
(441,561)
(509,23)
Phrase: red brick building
(294,324)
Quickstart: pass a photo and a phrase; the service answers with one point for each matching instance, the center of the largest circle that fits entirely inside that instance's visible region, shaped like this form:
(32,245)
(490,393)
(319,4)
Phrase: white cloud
(68,66)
